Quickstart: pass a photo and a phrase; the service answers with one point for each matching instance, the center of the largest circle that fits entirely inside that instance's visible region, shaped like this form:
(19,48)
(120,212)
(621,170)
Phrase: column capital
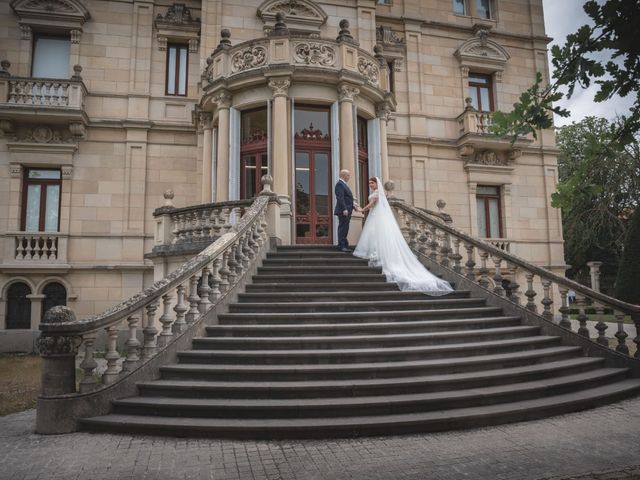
(280,86)
(383,111)
(205,118)
(347,92)
(222,99)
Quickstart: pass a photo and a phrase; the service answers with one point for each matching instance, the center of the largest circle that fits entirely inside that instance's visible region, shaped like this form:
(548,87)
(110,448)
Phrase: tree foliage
(581,61)
(599,187)
(628,279)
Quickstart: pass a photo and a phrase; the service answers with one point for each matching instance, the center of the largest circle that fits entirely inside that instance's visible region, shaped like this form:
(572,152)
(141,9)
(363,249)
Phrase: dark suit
(344,201)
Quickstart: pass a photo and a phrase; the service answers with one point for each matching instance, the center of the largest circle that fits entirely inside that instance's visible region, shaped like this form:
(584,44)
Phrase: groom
(344,207)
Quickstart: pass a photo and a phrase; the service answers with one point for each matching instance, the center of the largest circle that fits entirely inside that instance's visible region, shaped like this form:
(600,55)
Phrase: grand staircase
(321,345)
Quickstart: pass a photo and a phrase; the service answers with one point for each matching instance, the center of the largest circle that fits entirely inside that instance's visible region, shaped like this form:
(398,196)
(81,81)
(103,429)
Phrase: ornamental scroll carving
(250,57)
(314,54)
(177,14)
(368,69)
(58,345)
(280,87)
(488,157)
(42,134)
(346,93)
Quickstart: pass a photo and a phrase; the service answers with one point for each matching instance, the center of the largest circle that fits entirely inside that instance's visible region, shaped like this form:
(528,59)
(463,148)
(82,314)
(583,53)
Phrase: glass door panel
(303,197)
(321,196)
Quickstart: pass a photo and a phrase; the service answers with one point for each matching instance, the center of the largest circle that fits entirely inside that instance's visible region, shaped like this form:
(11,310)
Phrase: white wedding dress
(382,243)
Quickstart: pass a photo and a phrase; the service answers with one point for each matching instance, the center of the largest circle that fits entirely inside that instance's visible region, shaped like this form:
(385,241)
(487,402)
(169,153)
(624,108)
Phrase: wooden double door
(314,215)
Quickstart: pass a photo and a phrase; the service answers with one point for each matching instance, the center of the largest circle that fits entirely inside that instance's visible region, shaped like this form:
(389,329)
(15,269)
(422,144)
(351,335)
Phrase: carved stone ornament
(222,99)
(300,16)
(49,346)
(43,134)
(15,170)
(480,50)
(178,23)
(312,133)
(250,57)
(279,86)
(204,118)
(383,112)
(369,70)
(388,36)
(177,14)
(346,93)
(67,172)
(311,53)
(67,13)
(488,157)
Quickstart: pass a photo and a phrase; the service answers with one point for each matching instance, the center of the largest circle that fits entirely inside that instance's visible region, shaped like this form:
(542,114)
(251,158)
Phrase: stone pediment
(71,13)
(480,51)
(177,24)
(301,16)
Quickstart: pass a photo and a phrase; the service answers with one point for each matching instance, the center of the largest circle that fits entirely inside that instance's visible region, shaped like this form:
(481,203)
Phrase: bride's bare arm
(371,204)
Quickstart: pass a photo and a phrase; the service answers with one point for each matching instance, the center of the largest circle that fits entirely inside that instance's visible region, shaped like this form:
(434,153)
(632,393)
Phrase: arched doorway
(54,294)
(18,306)
(313,190)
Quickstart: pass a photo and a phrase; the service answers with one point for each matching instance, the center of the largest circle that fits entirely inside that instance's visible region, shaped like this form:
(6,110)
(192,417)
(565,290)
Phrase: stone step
(393,403)
(319,269)
(352,296)
(311,260)
(305,247)
(306,388)
(356,306)
(352,341)
(365,353)
(336,277)
(357,317)
(306,371)
(321,287)
(383,328)
(431,421)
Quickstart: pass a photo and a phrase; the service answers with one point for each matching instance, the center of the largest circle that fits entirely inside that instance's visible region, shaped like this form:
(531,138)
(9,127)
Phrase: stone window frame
(42,34)
(178,47)
(303,17)
(478,86)
(26,181)
(499,196)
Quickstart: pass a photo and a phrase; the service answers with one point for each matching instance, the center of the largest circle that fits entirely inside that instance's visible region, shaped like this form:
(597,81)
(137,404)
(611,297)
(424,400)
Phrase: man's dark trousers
(344,202)
(343,231)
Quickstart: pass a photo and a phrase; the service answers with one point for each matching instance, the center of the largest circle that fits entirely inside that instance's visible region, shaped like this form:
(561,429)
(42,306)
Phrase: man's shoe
(345,250)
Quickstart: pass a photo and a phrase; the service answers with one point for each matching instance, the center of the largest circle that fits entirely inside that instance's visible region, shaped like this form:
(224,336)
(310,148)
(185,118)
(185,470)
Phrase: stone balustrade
(162,312)
(474,122)
(299,52)
(39,246)
(495,269)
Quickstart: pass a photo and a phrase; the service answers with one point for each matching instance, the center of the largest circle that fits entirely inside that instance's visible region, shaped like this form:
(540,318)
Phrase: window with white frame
(50,56)
(483,9)
(177,69)
(41,200)
(489,211)
(460,7)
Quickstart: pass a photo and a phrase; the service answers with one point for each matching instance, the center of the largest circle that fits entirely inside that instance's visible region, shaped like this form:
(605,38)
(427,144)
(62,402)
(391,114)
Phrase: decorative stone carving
(77,130)
(397,65)
(481,51)
(168,198)
(177,14)
(300,16)
(280,86)
(225,42)
(162,43)
(488,157)
(369,70)
(250,57)
(15,170)
(280,28)
(178,22)
(388,36)
(193,45)
(204,118)
(346,93)
(312,133)
(4,68)
(25,32)
(6,126)
(344,35)
(383,112)
(222,99)
(57,345)
(67,172)
(77,73)
(42,134)
(75,36)
(311,53)
(69,14)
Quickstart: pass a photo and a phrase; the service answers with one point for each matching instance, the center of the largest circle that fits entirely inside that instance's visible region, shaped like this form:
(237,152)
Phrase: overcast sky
(562,17)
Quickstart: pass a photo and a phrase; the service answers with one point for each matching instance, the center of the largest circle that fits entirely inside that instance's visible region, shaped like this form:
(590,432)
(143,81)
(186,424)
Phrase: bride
(382,243)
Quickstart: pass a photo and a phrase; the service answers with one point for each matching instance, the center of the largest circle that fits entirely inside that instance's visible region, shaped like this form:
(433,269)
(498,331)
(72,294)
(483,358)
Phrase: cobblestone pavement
(599,444)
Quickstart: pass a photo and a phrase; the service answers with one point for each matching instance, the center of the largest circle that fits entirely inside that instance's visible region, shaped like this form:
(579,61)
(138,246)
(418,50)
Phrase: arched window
(54,294)
(18,306)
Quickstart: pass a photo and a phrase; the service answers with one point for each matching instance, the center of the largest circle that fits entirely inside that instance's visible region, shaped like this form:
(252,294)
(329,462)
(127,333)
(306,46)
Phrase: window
(54,294)
(18,306)
(363,161)
(489,211)
(177,69)
(383,2)
(41,201)
(392,76)
(459,7)
(50,57)
(481,92)
(253,151)
(483,8)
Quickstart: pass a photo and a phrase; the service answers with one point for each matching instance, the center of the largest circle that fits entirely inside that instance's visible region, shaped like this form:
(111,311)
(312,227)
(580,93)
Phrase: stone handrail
(45,92)
(184,296)
(442,243)
(297,51)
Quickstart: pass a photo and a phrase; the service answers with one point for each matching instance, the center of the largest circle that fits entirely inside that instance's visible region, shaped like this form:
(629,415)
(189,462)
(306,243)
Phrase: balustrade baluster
(581,301)
(483,270)
(246,251)
(224,272)
(445,249)
(232,265)
(205,223)
(412,232)
(470,263)
(456,257)
(150,346)
(530,293)
(433,244)
(636,321)
(214,294)
(88,364)
(132,344)
(112,356)
(601,327)
(564,309)
(226,214)
(514,293)
(180,325)
(47,92)
(240,256)
(203,291)
(402,221)
(166,319)
(546,300)
(621,335)
(193,312)
(423,238)
(497,276)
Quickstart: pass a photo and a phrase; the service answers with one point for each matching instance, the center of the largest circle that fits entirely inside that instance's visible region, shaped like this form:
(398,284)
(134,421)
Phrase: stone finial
(77,70)
(59,314)
(389,187)
(225,41)
(4,71)
(168,198)
(441,204)
(280,28)
(467,105)
(267,183)
(377,50)
(344,35)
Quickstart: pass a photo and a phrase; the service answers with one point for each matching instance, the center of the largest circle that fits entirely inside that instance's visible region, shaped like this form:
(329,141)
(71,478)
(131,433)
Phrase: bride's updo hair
(373,179)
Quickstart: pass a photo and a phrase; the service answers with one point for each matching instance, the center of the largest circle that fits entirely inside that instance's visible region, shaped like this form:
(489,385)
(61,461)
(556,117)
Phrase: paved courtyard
(599,444)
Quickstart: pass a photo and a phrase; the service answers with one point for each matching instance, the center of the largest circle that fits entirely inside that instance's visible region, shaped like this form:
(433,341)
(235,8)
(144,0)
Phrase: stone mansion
(105,105)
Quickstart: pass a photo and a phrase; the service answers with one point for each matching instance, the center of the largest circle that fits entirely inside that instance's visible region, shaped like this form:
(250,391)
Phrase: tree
(614,32)
(598,189)
(628,279)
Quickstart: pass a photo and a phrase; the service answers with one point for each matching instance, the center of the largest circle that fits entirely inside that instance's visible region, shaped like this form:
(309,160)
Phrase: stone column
(594,270)
(346,95)
(223,101)
(207,145)
(280,133)
(383,112)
